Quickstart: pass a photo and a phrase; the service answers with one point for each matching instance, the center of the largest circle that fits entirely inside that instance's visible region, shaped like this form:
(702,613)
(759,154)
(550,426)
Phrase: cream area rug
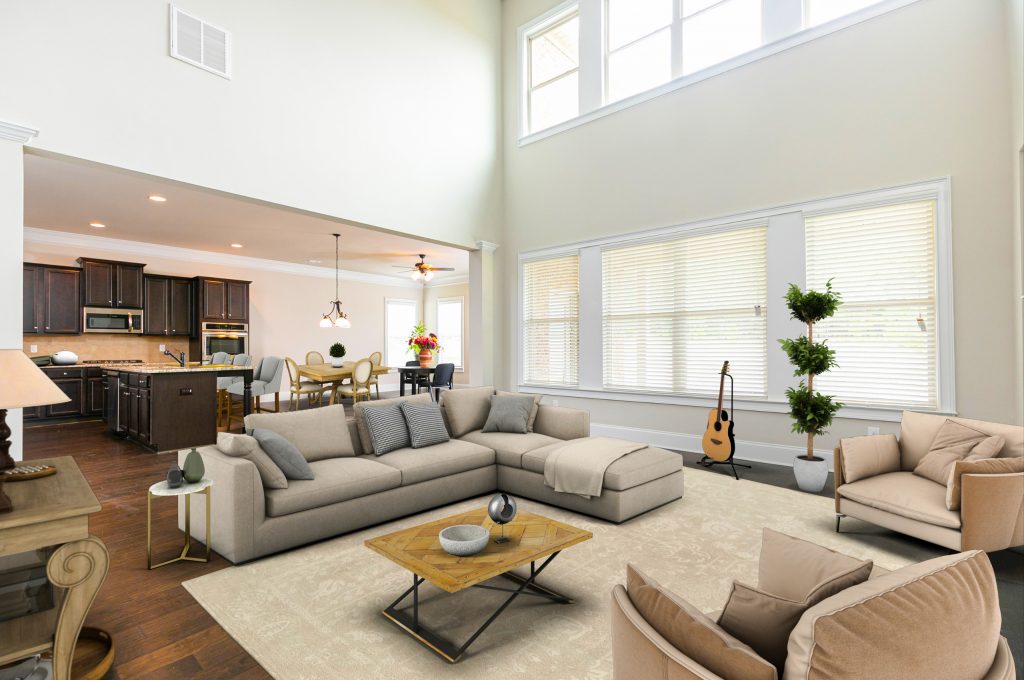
(314,612)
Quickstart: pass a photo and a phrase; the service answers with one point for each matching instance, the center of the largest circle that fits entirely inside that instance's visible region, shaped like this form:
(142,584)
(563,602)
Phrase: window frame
(387,329)
(461,364)
(545,22)
(785,263)
(520,368)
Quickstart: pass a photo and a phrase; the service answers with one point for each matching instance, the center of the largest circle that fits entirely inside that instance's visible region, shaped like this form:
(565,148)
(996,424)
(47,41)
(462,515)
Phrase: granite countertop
(170,367)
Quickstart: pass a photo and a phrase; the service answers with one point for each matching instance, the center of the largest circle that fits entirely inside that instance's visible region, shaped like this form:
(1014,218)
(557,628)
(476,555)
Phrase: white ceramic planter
(811,475)
(336,362)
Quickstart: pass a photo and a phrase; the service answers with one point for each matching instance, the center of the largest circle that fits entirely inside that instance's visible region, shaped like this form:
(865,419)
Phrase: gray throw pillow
(284,454)
(509,414)
(388,430)
(426,424)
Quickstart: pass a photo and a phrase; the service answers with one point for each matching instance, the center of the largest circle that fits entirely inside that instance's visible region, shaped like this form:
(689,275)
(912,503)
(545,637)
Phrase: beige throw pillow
(952,442)
(796,569)
(467,409)
(693,633)
(869,455)
(977,466)
(244,446)
(533,411)
(318,433)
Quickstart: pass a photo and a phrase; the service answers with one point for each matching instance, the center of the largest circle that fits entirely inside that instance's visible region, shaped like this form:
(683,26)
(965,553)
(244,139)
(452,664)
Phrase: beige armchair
(874,482)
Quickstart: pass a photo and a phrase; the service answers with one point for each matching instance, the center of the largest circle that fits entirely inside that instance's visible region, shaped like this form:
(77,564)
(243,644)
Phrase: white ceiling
(66,196)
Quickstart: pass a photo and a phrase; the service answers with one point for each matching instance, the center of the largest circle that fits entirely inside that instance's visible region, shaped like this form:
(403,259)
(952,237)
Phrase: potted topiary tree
(337,352)
(811,411)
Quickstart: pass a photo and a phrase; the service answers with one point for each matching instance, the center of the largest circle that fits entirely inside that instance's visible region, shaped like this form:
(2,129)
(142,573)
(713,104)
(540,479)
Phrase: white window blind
(882,261)
(673,311)
(399,319)
(449,330)
(551,321)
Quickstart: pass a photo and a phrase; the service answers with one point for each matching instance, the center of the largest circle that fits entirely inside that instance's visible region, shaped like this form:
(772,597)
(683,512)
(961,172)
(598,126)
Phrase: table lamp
(22,385)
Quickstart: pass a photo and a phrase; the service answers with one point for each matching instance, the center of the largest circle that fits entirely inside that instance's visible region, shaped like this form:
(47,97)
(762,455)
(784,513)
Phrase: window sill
(878,413)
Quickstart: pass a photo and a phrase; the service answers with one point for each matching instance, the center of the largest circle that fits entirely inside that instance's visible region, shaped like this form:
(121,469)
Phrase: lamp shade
(22,384)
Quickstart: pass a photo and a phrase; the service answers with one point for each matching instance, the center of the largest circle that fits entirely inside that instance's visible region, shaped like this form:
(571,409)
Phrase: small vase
(193,469)
(426,358)
(811,473)
(336,362)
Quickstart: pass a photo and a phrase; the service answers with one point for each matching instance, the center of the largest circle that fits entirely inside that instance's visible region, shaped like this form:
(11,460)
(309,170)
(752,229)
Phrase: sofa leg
(838,517)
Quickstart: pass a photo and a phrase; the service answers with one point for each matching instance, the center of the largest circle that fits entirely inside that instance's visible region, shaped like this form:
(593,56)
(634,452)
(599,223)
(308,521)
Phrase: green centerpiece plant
(337,352)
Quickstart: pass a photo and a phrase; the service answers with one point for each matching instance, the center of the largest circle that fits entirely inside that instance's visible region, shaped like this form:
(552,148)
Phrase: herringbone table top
(531,537)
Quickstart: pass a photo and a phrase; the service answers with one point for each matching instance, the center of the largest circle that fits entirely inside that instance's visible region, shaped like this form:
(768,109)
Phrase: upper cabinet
(222,299)
(50,299)
(108,283)
(168,305)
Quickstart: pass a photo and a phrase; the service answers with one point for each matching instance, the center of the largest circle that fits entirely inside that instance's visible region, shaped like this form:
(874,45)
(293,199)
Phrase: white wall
(1015,26)
(915,94)
(11,220)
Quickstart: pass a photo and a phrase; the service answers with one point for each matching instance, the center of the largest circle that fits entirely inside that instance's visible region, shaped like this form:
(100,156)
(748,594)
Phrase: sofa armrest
(561,422)
(237,506)
(992,511)
(640,653)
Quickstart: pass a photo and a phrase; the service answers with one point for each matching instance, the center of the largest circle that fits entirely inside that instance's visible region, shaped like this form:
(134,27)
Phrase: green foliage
(419,329)
(811,413)
(337,350)
(812,358)
(812,306)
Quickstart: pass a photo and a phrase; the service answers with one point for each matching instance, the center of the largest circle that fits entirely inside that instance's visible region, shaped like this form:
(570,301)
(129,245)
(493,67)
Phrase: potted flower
(424,344)
(811,411)
(337,352)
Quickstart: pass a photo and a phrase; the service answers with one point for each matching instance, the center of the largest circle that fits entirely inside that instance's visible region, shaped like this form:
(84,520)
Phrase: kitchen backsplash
(101,346)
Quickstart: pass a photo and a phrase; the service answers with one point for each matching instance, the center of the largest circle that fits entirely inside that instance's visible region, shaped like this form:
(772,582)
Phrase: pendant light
(340,319)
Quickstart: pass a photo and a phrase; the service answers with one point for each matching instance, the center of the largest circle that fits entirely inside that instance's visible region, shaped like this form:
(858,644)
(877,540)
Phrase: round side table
(203,486)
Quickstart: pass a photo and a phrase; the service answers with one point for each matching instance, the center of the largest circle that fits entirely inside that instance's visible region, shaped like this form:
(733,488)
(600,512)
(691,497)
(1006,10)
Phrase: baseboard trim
(757,452)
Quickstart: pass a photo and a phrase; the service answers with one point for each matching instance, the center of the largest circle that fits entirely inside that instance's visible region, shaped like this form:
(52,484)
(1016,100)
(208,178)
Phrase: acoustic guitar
(718,442)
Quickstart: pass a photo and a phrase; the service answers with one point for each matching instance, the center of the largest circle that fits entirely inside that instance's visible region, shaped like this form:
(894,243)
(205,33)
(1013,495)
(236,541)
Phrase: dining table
(326,374)
(413,376)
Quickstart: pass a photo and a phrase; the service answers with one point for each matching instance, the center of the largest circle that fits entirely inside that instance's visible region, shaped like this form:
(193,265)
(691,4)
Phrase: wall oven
(217,336)
(106,320)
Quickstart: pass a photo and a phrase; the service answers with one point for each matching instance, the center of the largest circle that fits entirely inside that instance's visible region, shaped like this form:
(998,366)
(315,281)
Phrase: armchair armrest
(561,422)
(992,511)
(237,505)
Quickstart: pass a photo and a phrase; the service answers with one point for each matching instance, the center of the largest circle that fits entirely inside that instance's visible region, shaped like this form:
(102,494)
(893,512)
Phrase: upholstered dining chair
(223,398)
(266,379)
(413,379)
(359,388)
(444,375)
(219,358)
(376,358)
(299,387)
(314,358)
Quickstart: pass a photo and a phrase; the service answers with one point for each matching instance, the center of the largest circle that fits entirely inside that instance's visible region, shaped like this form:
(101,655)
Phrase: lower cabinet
(83,387)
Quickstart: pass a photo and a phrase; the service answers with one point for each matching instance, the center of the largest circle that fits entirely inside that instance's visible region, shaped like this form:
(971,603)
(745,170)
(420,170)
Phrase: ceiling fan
(421,271)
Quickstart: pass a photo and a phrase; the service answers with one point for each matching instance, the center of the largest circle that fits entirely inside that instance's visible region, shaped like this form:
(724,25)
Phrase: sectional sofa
(353,489)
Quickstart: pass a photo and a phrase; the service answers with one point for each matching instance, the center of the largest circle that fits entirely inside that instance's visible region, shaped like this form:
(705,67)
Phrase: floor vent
(200,43)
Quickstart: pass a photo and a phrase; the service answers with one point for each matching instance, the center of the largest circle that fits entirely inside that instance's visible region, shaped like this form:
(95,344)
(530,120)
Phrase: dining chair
(219,358)
(441,380)
(223,398)
(266,380)
(314,358)
(376,358)
(359,388)
(413,379)
(299,387)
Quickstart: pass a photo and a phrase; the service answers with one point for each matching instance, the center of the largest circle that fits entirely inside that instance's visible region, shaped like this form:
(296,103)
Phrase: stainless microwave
(106,320)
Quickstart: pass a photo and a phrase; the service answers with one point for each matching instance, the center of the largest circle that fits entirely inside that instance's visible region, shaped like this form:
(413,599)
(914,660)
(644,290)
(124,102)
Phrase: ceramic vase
(193,469)
(811,473)
(426,357)
(336,362)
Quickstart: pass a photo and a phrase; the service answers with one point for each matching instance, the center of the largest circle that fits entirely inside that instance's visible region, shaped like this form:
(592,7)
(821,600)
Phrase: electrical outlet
(873,430)
(32,349)
(163,348)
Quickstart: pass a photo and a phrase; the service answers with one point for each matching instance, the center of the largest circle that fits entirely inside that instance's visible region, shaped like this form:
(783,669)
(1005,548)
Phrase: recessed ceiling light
(98,225)
(156,198)
(236,245)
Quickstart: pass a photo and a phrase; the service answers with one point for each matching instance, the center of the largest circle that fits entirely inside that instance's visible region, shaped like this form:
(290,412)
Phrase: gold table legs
(184,556)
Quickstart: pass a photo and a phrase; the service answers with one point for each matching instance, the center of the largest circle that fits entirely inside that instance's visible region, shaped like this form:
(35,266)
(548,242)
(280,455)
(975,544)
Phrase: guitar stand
(707,462)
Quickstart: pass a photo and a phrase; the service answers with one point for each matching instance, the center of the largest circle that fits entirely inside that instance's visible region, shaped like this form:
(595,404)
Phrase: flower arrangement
(418,343)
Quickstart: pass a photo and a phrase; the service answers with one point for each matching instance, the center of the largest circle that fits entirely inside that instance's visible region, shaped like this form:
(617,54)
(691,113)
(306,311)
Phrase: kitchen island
(166,407)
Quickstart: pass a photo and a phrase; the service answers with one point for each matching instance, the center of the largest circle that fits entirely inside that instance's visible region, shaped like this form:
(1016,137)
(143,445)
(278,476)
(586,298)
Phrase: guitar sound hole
(718,427)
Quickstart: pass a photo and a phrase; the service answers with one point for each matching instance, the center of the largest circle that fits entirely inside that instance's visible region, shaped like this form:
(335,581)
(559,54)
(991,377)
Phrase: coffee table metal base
(408,621)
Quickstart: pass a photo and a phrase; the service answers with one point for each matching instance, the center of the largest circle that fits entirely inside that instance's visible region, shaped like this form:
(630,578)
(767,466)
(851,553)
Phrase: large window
(399,319)
(553,60)
(550,329)
(674,310)
(450,331)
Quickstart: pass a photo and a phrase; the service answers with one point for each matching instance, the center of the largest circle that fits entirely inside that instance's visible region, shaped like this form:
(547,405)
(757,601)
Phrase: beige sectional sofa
(353,489)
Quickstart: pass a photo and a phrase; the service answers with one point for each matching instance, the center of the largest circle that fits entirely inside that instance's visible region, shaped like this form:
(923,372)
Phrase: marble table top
(161,488)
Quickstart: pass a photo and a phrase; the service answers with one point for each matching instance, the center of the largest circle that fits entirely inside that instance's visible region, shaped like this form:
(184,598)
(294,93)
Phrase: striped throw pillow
(388,431)
(426,424)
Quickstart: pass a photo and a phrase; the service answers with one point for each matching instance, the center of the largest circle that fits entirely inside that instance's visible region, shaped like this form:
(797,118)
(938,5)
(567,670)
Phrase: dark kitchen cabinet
(84,387)
(238,301)
(155,301)
(222,299)
(168,305)
(74,388)
(179,311)
(108,283)
(165,411)
(95,396)
(50,299)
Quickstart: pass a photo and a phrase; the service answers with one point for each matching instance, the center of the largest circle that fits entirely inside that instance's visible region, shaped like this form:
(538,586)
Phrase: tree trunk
(810,390)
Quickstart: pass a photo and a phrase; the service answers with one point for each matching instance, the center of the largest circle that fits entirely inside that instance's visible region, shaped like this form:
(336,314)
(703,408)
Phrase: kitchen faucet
(179,357)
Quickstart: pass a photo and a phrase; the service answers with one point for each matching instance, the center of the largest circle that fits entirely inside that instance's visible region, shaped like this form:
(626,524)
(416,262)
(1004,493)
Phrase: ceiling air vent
(200,43)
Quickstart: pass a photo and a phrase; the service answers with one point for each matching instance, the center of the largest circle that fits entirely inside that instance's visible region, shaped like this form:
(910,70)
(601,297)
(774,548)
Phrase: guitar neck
(721,393)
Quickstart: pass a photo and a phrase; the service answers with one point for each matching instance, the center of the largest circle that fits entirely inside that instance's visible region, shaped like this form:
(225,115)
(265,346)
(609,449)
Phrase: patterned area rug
(314,612)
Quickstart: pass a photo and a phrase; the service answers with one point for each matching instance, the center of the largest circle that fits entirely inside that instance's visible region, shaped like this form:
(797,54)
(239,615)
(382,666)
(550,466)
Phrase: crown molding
(486,246)
(137,249)
(451,281)
(16,133)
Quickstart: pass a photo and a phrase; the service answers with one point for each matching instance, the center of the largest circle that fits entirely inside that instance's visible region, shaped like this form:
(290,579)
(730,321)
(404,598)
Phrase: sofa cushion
(509,414)
(631,470)
(389,430)
(938,619)
(317,433)
(799,570)
(953,442)
(869,455)
(467,409)
(509,447)
(533,410)
(977,466)
(440,460)
(905,494)
(357,410)
(426,425)
(284,454)
(335,480)
(245,446)
(693,633)
(918,430)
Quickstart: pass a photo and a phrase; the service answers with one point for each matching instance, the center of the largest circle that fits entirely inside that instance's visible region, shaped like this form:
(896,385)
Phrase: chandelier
(334,316)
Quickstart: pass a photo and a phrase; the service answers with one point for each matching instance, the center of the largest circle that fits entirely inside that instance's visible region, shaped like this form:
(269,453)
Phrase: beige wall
(284,308)
(883,103)
(430,297)
(1015,26)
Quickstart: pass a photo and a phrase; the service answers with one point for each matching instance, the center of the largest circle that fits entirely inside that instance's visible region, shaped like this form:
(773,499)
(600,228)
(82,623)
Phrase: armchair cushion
(244,446)
(978,466)
(918,430)
(869,456)
(905,494)
(954,441)
(318,433)
(693,633)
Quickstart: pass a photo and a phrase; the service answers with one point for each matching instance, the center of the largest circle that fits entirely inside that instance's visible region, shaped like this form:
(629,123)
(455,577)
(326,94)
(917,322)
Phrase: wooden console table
(54,512)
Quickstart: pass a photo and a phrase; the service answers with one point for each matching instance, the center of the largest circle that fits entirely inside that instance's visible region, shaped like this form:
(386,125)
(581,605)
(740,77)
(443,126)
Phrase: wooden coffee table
(531,538)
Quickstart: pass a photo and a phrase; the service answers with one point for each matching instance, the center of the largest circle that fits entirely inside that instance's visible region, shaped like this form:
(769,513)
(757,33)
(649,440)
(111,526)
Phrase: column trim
(16,133)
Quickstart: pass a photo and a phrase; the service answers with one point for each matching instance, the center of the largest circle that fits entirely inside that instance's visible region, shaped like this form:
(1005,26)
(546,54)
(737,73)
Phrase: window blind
(449,330)
(551,321)
(882,261)
(673,311)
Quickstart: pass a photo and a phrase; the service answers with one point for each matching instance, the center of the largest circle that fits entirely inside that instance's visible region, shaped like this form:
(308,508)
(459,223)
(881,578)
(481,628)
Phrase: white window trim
(780,220)
(387,329)
(459,367)
(592,67)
